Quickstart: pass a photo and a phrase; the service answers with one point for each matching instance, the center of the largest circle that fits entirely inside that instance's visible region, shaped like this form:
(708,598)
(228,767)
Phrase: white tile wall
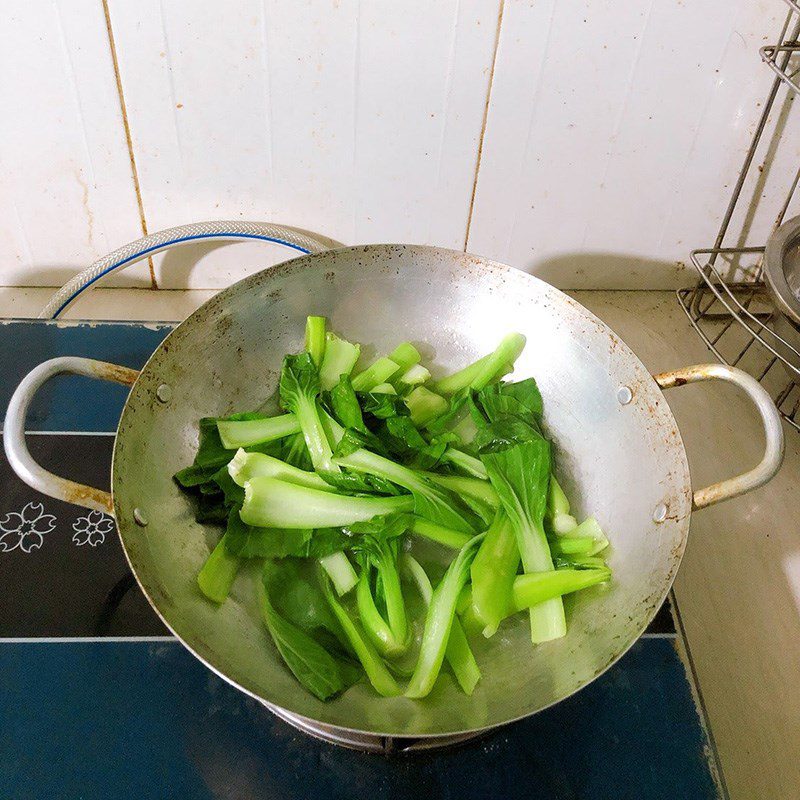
(66,191)
(613,130)
(358,120)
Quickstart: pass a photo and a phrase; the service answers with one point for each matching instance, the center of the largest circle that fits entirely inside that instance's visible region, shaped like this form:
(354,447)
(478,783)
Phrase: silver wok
(619,451)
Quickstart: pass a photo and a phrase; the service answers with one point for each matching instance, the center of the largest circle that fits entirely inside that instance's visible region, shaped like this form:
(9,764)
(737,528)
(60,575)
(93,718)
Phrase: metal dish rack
(733,316)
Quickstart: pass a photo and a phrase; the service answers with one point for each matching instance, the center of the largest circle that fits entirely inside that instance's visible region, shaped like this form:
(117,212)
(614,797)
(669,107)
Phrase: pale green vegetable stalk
(333,430)
(244,466)
(378,372)
(270,503)
(466,462)
(430,501)
(508,351)
(425,405)
(557,501)
(438,533)
(518,460)
(564,524)
(477,494)
(458,653)
(299,388)
(475,374)
(376,628)
(493,572)
(405,355)
(340,571)
(471,487)
(218,573)
(339,359)
(573,545)
(315,339)
(536,588)
(384,388)
(376,544)
(414,376)
(379,676)
(461,379)
(589,528)
(247,432)
(558,509)
(439,621)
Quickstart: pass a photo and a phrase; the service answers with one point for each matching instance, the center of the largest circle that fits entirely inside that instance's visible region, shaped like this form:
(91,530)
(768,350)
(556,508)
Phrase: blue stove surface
(98,701)
(147,720)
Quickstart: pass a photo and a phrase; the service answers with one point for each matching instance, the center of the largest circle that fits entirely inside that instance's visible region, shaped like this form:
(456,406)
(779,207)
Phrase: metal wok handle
(36,476)
(219,231)
(773,429)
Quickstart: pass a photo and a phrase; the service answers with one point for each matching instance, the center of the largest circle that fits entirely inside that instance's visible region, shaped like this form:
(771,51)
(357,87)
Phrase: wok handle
(773,429)
(21,461)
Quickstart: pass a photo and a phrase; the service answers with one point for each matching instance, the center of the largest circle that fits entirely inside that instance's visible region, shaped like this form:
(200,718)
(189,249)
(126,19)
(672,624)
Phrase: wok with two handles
(619,456)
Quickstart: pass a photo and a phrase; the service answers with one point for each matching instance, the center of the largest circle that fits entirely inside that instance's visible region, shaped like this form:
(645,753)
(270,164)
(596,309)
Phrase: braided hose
(172,237)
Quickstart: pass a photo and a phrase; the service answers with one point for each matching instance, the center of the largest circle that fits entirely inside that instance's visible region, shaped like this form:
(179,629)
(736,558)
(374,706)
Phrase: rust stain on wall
(86,207)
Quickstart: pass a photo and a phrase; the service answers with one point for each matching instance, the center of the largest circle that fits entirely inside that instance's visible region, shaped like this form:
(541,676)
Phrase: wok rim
(484,264)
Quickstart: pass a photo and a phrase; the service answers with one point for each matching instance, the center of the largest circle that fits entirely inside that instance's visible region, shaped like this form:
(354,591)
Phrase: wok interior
(616,461)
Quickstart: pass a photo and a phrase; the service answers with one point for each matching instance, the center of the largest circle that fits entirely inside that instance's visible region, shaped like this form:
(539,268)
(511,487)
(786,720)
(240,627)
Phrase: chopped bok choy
(394,516)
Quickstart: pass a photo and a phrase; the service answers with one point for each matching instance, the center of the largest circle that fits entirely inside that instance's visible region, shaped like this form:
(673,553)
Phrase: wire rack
(734,315)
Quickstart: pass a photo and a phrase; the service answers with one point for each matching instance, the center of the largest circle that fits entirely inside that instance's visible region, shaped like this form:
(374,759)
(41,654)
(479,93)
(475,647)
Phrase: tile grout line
(83,639)
(483,122)
(69,433)
(128,137)
(697,690)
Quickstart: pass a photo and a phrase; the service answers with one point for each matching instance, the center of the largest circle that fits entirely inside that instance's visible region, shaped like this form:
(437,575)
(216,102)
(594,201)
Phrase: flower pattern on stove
(92,528)
(25,529)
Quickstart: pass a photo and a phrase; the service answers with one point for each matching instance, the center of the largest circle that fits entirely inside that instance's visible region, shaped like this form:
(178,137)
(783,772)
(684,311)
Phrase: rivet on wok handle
(660,512)
(624,395)
(164,393)
(770,418)
(140,518)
